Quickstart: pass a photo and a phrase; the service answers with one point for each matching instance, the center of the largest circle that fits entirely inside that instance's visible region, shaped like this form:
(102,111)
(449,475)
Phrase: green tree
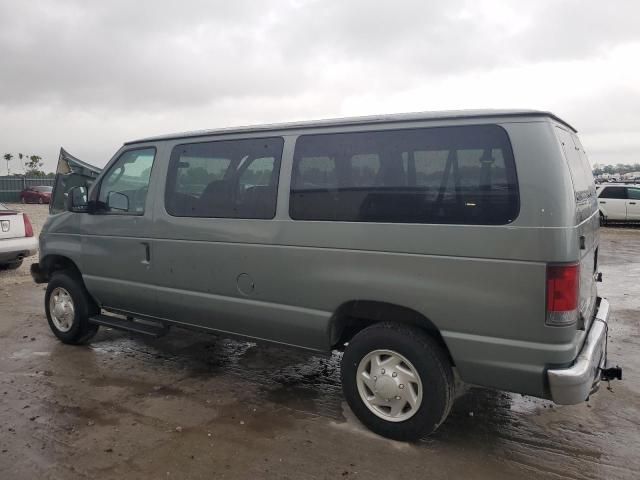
(33,165)
(8,157)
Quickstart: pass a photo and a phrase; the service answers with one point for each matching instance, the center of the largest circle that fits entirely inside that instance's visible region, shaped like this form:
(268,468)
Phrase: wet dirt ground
(196,406)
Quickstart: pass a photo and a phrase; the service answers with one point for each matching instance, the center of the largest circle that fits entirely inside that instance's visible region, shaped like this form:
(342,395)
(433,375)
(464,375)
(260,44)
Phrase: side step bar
(156,330)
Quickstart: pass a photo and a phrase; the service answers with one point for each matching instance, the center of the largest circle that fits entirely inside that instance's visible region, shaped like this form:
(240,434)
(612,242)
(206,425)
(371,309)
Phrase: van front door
(116,249)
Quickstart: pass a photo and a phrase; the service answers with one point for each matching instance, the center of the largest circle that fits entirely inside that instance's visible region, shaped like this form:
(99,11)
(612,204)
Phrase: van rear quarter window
(455,175)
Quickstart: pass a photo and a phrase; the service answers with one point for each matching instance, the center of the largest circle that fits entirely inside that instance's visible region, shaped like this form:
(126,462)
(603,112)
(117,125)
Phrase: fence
(10,187)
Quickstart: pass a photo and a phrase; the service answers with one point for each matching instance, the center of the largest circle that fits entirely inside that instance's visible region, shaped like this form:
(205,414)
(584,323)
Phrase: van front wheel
(68,307)
(397,380)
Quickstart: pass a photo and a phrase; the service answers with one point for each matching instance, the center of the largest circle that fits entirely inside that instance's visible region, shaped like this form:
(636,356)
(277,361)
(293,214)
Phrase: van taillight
(28,228)
(563,289)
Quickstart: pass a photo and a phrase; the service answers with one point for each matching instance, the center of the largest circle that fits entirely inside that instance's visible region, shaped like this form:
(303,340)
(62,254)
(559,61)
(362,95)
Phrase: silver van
(424,246)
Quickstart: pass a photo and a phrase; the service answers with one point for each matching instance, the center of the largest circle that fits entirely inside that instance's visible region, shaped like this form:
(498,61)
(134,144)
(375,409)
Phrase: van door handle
(147,253)
(632,203)
(602,201)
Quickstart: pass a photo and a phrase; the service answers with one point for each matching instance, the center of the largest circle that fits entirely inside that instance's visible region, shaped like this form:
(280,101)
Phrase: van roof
(366,120)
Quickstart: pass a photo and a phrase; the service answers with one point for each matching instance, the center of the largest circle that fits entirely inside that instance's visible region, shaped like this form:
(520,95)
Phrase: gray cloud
(93,74)
(574,29)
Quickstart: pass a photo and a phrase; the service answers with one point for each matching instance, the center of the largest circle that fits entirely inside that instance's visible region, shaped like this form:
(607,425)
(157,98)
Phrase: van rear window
(581,174)
(455,175)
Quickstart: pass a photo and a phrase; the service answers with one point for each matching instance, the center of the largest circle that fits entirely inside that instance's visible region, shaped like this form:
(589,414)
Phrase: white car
(16,238)
(619,202)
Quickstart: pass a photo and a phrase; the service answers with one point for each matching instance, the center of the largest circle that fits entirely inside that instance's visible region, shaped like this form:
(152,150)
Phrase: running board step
(129,325)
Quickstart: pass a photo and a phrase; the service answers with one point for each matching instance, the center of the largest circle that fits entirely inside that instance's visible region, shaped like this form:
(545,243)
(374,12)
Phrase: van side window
(224,179)
(123,189)
(365,169)
(457,175)
(614,192)
(258,173)
(317,172)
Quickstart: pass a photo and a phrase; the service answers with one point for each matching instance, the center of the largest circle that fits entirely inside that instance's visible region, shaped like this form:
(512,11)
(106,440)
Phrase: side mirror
(118,201)
(76,200)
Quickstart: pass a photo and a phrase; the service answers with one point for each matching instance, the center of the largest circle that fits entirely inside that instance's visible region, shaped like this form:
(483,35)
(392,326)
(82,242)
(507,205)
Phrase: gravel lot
(196,406)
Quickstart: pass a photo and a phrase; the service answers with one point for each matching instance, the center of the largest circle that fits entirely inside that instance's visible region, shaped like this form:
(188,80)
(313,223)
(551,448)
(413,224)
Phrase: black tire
(11,265)
(81,330)
(428,359)
(603,219)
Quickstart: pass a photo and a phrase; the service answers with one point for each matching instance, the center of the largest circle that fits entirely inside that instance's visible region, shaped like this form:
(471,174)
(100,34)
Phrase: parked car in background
(38,194)
(415,243)
(619,202)
(16,238)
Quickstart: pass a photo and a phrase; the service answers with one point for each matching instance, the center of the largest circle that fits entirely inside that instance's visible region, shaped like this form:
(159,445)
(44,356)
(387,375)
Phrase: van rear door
(587,221)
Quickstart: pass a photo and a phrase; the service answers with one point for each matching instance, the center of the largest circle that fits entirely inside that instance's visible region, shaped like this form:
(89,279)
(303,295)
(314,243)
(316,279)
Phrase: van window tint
(365,169)
(224,179)
(459,175)
(258,173)
(124,188)
(614,192)
(317,172)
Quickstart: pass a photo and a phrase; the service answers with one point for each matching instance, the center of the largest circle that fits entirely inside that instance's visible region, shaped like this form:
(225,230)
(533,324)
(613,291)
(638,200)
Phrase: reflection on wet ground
(288,377)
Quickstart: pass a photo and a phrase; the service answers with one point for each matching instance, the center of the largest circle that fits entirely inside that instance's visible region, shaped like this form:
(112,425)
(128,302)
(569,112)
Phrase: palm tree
(33,165)
(20,156)
(8,157)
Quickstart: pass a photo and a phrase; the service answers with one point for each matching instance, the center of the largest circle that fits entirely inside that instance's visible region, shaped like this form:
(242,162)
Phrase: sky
(89,75)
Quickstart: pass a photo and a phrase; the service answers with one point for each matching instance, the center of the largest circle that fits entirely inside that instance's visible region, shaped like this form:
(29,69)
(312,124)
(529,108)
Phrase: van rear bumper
(573,385)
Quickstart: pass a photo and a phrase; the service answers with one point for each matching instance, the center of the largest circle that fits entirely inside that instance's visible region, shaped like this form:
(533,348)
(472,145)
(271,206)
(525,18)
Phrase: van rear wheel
(397,380)
(68,307)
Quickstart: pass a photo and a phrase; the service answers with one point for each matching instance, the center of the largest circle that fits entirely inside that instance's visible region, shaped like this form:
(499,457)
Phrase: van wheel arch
(54,263)
(356,315)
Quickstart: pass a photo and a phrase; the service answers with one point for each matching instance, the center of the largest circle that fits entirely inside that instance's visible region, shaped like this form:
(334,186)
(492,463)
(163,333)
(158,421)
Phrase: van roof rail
(366,120)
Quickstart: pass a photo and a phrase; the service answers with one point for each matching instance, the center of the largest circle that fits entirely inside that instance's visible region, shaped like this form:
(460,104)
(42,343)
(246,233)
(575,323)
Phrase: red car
(36,194)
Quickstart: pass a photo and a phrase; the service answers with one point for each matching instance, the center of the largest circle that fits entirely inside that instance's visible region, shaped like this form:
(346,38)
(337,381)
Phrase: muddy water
(198,406)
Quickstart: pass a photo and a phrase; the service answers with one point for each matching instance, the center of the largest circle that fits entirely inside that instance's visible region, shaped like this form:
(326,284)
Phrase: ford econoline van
(423,246)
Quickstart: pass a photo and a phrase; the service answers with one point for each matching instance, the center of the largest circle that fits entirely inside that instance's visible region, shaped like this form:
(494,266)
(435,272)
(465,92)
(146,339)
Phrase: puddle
(26,353)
